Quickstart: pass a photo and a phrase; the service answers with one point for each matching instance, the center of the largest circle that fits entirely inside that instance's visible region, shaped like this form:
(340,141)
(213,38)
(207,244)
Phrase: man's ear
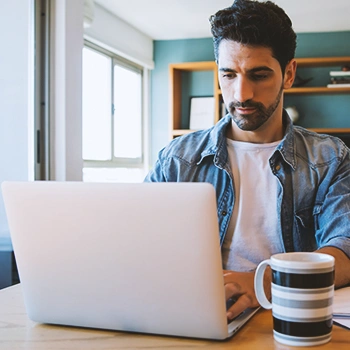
(289,74)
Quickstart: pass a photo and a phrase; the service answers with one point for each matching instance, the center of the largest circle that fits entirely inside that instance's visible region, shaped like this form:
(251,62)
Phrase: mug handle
(259,284)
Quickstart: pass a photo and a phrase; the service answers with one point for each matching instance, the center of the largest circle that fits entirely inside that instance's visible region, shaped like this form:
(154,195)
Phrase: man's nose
(243,90)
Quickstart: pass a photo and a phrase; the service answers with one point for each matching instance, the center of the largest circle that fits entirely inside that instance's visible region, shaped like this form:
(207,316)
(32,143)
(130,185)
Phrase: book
(339,73)
(338,85)
(341,307)
(340,80)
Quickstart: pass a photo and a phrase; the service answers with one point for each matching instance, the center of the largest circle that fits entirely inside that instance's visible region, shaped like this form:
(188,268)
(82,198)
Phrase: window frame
(118,162)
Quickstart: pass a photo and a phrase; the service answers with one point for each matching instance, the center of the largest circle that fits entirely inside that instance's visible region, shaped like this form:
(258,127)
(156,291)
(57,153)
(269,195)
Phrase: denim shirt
(313,172)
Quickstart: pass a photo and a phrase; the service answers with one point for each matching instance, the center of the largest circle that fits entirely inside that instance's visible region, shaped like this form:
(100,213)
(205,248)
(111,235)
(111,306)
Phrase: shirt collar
(287,145)
(217,142)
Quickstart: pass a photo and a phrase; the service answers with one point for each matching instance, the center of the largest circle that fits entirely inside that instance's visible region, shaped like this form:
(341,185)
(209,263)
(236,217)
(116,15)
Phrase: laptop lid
(131,257)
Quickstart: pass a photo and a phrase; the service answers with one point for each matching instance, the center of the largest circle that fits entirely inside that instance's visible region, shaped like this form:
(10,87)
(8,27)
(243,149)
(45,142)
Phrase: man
(279,187)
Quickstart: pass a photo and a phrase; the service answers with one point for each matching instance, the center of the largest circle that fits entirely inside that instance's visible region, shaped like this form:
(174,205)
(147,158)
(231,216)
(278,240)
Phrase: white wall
(16,93)
(120,37)
(15,79)
(66,161)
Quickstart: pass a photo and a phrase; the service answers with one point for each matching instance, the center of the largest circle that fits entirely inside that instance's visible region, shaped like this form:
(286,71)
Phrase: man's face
(252,84)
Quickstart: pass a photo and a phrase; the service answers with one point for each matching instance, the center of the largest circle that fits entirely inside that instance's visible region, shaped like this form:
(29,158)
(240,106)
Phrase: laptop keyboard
(229,303)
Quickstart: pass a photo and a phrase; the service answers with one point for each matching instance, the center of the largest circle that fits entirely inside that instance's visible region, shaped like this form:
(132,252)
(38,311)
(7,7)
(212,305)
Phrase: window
(113,136)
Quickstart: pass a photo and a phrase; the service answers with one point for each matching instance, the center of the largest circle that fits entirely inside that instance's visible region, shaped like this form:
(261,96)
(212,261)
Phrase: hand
(342,265)
(240,285)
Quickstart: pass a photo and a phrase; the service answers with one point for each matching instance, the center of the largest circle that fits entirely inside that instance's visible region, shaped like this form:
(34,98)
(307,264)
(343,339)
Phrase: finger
(229,277)
(232,289)
(241,304)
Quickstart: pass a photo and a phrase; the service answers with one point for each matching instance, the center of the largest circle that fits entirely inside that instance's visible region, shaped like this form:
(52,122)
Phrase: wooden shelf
(175,100)
(330,130)
(322,61)
(313,90)
(319,62)
(193,66)
(180,132)
(316,90)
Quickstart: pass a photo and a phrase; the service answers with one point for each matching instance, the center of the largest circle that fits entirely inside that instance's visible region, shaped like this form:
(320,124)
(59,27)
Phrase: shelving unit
(176,70)
(175,101)
(319,62)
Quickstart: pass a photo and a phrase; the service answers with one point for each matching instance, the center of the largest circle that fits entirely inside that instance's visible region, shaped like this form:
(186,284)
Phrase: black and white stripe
(302,314)
(303,280)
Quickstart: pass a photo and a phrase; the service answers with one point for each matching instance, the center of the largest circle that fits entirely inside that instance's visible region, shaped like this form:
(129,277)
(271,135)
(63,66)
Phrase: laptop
(139,257)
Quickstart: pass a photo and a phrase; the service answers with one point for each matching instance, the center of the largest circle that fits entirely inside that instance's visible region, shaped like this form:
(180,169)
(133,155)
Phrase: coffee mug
(302,296)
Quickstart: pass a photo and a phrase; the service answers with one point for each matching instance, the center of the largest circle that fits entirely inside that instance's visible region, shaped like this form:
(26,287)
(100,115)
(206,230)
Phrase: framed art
(202,112)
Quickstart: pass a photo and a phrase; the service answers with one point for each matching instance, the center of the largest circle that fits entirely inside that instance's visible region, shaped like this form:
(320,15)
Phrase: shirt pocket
(306,223)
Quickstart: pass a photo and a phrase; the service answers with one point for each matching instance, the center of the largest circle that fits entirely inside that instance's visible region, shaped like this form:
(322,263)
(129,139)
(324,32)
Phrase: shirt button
(224,213)
(278,167)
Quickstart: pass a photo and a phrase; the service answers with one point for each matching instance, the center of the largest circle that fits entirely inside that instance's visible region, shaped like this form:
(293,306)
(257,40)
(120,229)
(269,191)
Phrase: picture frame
(202,112)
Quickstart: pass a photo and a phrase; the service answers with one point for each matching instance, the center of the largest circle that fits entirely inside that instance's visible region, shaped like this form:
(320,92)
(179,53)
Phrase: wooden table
(18,332)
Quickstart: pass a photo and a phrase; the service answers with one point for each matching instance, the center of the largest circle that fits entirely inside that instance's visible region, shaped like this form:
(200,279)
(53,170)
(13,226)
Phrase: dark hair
(257,24)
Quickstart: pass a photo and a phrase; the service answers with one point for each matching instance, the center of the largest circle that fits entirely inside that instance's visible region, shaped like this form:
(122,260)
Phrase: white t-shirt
(252,235)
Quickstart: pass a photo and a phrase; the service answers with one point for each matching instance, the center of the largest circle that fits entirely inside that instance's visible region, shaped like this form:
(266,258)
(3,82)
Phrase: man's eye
(259,76)
(228,75)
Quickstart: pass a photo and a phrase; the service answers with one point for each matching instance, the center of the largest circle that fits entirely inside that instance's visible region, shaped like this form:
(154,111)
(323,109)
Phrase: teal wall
(315,110)
(327,110)
(166,52)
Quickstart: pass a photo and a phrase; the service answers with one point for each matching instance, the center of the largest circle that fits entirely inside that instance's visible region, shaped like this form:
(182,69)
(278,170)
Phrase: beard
(254,121)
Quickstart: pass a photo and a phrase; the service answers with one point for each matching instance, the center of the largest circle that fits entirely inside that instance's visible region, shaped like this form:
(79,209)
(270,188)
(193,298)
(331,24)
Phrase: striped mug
(302,296)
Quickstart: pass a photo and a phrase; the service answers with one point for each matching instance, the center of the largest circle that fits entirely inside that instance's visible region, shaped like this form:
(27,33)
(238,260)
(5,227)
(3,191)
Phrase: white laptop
(129,257)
